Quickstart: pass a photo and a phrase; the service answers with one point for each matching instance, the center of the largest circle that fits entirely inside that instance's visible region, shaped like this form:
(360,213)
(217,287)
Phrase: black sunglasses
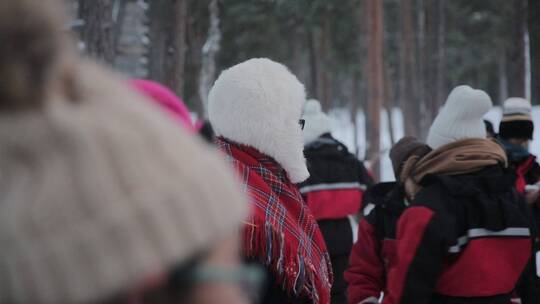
(302,123)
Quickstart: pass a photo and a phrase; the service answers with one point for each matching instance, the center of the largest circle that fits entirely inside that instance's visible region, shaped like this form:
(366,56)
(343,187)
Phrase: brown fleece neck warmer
(460,157)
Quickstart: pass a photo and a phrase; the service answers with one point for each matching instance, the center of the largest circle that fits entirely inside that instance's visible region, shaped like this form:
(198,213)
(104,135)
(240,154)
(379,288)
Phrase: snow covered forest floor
(343,130)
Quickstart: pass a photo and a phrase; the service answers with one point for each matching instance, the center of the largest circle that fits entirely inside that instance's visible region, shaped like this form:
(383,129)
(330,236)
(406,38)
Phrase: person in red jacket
(466,235)
(333,192)
(374,252)
(515,132)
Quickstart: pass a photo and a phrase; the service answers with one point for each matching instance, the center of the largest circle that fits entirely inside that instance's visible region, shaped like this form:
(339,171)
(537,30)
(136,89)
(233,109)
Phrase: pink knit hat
(165,98)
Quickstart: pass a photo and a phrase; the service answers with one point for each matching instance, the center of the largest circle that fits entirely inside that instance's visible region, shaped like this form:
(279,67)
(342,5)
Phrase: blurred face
(225,256)
(217,276)
(520,142)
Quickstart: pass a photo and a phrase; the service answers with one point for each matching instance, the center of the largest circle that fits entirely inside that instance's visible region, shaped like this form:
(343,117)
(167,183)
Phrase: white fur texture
(317,122)
(517,105)
(258,103)
(460,118)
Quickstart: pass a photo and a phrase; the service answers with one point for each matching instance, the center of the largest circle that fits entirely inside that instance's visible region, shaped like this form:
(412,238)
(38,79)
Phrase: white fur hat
(258,103)
(460,118)
(317,122)
(517,106)
(516,121)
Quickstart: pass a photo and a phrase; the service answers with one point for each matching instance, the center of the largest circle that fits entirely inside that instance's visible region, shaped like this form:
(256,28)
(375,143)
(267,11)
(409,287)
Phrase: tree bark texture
(176,78)
(160,27)
(209,51)
(408,70)
(516,52)
(534,42)
(375,83)
(98,30)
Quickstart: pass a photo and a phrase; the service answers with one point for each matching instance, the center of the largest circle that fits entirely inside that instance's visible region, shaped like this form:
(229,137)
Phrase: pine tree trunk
(160,28)
(324,67)
(534,41)
(209,52)
(179,47)
(313,68)
(375,83)
(408,71)
(355,99)
(503,81)
(388,97)
(424,57)
(441,58)
(516,52)
(98,30)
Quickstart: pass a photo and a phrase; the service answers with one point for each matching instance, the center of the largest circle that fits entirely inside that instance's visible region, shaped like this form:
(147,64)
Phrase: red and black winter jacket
(375,250)
(334,191)
(337,179)
(527,172)
(523,163)
(464,239)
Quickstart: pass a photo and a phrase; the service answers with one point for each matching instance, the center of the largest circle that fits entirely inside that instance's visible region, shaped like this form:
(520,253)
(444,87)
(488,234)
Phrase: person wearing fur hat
(255,108)
(105,199)
(464,217)
(515,132)
(333,191)
(375,251)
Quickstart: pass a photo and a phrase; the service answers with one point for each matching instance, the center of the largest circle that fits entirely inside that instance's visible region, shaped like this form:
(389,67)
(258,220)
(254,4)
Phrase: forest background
(363,56)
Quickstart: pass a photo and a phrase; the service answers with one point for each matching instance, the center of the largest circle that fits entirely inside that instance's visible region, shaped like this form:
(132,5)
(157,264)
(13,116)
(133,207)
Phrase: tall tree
(516,49)
(375,82)
(441,57)
(434,57)
(98,32)
(534,40)
(179,47)
(408,70)
(209,51)
(424,60)
(159,29)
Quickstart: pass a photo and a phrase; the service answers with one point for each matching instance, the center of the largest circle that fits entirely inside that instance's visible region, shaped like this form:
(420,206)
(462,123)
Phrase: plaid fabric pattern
(282,233)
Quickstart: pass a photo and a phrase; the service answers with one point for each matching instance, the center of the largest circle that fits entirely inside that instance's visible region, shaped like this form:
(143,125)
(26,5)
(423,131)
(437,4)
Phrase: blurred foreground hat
(97,192)
(516,121)
(460,118)
(317,122)
(166,98)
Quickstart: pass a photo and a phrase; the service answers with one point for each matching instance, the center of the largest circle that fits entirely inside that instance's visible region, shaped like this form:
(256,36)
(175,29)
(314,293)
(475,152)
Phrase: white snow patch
(343,130)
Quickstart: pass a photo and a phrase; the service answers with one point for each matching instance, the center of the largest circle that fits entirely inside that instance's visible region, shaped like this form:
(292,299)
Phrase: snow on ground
(342,129)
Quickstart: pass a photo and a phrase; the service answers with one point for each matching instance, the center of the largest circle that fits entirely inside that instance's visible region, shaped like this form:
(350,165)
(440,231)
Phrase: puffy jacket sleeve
(420,254)
(365,275)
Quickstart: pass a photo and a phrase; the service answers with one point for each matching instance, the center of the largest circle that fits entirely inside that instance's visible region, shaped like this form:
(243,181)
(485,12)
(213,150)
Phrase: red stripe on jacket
(368,264)
(411,228)
(470,273)
(480,257)
(334,204)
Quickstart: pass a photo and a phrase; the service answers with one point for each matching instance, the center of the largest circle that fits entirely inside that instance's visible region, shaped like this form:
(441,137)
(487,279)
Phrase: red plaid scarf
(282,233)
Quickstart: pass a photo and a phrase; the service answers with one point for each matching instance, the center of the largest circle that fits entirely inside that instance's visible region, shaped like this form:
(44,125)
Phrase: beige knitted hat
(97,194)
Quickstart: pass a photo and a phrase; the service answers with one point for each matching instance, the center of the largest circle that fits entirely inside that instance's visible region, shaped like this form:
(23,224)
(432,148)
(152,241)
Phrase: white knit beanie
(460,118)
(98,194)
(317,122)
(258,103)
